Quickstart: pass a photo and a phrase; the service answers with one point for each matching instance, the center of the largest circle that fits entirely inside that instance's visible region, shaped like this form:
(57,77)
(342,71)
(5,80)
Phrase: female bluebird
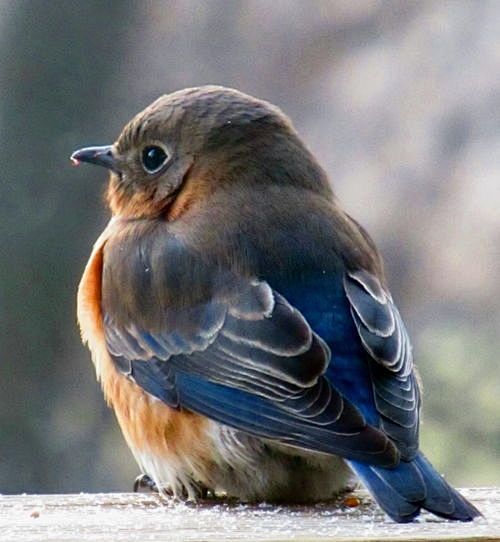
(240,322)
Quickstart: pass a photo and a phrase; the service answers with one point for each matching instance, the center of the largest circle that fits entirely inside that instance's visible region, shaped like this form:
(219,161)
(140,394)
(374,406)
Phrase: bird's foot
(194,493)
(197,491)
(145,484)
(202,492)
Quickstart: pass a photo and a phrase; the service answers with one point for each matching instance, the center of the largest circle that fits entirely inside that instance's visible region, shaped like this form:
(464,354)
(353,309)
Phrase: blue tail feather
(442,499)
(404,490)
(393,504)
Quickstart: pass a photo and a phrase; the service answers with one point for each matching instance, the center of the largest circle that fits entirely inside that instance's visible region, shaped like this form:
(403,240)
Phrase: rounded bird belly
(253,469)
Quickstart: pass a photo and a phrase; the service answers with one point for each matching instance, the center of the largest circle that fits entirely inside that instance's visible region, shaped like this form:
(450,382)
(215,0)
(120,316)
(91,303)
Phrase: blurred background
(400,102)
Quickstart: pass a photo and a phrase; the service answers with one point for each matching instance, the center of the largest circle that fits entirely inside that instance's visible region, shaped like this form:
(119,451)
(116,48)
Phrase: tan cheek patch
(196,187)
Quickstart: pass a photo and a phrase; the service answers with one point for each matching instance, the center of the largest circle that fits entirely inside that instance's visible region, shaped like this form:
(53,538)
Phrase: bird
(240,321)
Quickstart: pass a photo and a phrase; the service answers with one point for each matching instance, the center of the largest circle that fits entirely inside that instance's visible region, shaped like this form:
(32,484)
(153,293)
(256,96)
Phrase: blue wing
(372,356)
(248,359)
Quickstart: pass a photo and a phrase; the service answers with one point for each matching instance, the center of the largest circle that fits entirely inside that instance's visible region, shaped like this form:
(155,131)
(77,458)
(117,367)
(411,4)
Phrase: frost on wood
(135,517)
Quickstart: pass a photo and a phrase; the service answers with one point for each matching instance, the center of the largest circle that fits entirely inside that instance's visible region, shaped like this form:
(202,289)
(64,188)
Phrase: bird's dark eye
(153,158)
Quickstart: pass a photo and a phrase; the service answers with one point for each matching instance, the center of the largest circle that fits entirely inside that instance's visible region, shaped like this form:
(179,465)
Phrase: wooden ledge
(117,517)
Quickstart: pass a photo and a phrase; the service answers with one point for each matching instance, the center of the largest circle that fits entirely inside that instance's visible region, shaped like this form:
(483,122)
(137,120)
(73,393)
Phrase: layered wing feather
(246,358)
(383,335)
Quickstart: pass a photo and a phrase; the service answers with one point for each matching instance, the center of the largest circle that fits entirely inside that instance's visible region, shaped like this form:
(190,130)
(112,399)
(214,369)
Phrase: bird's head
(191,143)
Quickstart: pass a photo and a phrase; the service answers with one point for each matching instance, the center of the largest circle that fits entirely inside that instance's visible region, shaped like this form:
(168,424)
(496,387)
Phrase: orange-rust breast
(149,426)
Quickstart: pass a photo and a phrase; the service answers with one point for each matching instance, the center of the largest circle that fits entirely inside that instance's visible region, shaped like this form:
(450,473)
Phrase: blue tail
(402,491)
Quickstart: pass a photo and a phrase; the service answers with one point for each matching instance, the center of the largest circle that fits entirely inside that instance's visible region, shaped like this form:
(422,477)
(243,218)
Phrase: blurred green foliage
(397,99)
(461,402)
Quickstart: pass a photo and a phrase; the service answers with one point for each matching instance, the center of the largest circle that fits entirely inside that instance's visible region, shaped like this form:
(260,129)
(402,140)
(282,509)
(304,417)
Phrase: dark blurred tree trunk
(58,61)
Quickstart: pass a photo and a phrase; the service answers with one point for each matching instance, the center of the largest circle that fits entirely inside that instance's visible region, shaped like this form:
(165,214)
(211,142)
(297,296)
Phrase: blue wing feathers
(251,413)
(326,308)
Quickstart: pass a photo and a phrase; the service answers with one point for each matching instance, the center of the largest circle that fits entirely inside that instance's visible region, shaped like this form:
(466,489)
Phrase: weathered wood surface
(119,517)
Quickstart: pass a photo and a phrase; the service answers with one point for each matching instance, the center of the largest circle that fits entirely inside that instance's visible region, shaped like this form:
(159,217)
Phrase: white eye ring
(153,158)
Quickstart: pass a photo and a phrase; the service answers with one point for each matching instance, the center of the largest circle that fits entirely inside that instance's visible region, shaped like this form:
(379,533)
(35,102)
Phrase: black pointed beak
(100,156)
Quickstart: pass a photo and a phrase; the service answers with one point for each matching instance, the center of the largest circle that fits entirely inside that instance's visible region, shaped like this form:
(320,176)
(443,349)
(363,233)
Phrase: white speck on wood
(123,517)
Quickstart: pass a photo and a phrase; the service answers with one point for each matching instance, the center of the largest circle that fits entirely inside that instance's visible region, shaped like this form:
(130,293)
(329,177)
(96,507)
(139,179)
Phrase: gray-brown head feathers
(213,137)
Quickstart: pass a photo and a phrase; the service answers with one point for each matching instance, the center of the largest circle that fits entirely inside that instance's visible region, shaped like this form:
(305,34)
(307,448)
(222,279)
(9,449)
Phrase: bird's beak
(100,156)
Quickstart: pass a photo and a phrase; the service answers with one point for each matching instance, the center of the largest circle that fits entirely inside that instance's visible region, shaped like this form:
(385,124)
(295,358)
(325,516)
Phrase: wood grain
(120,517)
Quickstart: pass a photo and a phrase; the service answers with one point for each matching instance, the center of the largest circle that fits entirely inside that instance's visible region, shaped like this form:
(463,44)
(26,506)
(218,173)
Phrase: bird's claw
(145,484)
